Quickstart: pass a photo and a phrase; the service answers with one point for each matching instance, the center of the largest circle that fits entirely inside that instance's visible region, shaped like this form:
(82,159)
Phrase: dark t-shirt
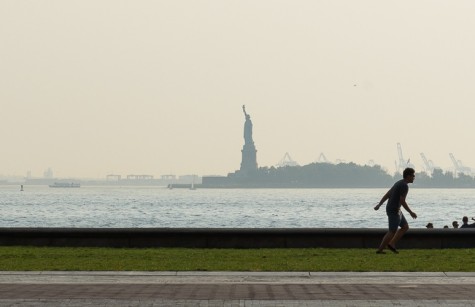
(468,226)
(399,189)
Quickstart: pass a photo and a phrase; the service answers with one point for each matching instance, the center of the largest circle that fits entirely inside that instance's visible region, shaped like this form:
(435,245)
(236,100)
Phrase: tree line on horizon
(351,175)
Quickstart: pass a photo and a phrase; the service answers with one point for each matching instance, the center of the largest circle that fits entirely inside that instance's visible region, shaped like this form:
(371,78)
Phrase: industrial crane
(429,165)
(402,164)
(322,158)
(287,161)
(458,166)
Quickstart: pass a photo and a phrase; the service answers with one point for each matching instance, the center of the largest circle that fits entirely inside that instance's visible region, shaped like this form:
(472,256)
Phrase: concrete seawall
(232,237)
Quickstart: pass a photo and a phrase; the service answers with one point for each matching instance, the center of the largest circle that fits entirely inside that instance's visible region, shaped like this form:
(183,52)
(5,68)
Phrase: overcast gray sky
(90,88)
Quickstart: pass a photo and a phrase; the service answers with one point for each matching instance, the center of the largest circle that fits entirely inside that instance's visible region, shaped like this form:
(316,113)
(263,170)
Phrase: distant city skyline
(93,88)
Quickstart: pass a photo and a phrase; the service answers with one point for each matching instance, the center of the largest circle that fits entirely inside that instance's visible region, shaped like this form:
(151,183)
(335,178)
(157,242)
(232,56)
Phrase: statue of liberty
(248,163)
(247,127)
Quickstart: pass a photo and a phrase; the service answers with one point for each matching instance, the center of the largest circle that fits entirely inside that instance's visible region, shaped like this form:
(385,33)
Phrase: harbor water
(143,207)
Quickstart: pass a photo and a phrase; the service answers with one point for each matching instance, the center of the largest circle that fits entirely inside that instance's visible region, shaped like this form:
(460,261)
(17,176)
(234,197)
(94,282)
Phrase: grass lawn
(195,259)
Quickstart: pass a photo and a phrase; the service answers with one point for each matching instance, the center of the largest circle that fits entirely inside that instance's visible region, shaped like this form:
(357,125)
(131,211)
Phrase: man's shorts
(396,220)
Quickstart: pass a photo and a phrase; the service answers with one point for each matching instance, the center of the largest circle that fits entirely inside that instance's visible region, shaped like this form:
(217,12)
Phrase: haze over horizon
(91,88)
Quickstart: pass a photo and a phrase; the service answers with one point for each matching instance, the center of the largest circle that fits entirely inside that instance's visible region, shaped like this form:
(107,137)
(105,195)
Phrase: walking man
(396,197)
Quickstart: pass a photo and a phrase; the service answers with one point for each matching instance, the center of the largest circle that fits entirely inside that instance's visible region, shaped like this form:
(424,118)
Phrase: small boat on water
(65,185)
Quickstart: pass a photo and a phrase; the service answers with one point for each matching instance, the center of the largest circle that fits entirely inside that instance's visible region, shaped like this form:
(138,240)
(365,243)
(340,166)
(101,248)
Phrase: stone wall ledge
(233,237)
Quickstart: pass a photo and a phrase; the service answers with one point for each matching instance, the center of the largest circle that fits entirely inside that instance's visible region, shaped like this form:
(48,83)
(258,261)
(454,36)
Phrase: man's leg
(386,239)
(393,222)
(401,231)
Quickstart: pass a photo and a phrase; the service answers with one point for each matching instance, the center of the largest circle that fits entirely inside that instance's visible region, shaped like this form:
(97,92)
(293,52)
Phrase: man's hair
(408,172)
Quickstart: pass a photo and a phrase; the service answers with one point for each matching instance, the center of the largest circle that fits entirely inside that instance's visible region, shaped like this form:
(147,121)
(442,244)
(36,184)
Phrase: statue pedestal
(249,162)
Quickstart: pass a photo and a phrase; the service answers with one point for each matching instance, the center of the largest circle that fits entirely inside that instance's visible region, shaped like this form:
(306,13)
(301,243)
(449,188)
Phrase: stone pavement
(237,289)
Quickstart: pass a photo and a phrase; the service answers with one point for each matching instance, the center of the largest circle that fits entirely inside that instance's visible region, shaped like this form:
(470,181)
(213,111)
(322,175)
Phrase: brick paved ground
(238,291)
(235,289)
(232,303)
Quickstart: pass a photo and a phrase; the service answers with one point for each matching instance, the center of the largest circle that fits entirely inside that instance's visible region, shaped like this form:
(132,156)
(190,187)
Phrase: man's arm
(402,201)
(385,198)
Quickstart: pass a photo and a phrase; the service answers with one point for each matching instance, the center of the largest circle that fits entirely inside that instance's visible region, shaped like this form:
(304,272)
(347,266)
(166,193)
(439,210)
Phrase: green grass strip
(254,260)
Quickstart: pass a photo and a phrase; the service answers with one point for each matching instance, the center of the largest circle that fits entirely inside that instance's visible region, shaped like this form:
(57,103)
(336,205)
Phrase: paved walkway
(236,289)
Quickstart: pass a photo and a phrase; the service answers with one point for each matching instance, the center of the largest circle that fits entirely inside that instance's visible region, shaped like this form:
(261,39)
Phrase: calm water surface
(111,207)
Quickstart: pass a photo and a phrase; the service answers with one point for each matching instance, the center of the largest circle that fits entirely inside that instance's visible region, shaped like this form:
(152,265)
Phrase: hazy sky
(90,88)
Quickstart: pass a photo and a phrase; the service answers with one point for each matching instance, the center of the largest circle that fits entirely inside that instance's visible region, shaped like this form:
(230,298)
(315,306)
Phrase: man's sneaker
(393,249)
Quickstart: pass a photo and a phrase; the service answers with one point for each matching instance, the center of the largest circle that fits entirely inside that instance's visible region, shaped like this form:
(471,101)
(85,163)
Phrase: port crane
(459,168)
(322,158)
(402,163)
(287,161)
(429,165)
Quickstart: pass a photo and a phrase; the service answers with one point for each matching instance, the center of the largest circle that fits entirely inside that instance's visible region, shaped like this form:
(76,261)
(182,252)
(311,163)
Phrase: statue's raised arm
(244,110)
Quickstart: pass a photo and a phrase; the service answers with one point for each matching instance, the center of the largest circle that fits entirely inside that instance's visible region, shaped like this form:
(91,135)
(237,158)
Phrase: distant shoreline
(315,175)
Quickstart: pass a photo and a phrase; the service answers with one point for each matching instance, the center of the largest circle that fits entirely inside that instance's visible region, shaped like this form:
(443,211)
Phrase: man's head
(455,224)
(465,220)
(409,174)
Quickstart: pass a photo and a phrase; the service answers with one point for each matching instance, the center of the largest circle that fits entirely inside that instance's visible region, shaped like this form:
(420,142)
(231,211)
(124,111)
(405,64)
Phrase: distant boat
(65,185)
